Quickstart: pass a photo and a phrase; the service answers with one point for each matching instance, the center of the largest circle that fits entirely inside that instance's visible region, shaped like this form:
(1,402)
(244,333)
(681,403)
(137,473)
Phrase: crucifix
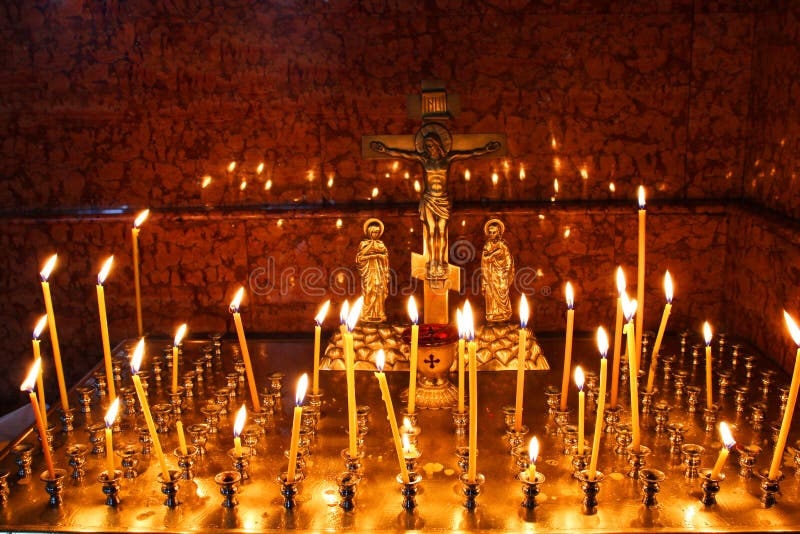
(435,148)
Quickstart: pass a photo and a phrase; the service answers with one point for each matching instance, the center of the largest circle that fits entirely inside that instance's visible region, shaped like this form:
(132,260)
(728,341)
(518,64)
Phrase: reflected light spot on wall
(553,143)
(243,185)
(557,163)
(467,175)
(387,175)
(567,231)
(330,181)
(268,185)
(463,222)
(612,187)
(584,173)
(260,168)
(310,176)
(395,166)
(375,192)
(522,173)
(406,175)
(505,164)
(417,187)
(495,178)
(231,166)
(206,181)
(541,216)
(280,223)
(338,223)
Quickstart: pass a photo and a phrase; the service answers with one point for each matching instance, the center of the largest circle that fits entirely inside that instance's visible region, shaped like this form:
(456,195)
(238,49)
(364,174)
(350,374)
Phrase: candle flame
(406,443)
(30,380)
(407,426)
(141,218)
(579,378)
(628,306)
(460,322)
(412,310)
(237,300)
(241,417)
(48,267)
(355,313)
(380,360)
(641,197)
(469,324)
(180,334)
(533,449)
(707,332)
(111,413)
(602,341)
(302,386)
(40,324)
(101,277)
(620,280)
(344,312)
(138,354)
(668,287)
(323,311)
(725,434)
(793,329)
(524,312)
(570,296)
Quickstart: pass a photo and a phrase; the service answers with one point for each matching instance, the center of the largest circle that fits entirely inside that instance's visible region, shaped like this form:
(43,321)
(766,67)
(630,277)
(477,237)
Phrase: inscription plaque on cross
(435,148)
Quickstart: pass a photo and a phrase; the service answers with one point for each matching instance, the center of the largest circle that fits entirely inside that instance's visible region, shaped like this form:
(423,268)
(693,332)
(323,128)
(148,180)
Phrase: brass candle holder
(241,462)
(710,486)
(637,460)
(409,490)
(170,488)
(623,439)
(590,490)
(110,482)
(347,483)
(228,482)
(471,489)
(691,459)
(650,478)
(129,461)
(77,460)
(530,488)
(770,487)
(610,420)
(54,486)
(4,488)
(290,489)
(67,419)
(352,463)
(198,433)
(747,459)
(186,461)
(460,421)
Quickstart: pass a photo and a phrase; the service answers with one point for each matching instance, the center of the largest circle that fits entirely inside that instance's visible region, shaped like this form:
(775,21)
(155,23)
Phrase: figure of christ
(434,207)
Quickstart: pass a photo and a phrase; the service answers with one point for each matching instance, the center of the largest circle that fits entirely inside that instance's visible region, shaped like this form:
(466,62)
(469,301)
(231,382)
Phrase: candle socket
(176,401)
(241,462)
(275,386)
(661,410)
(300,460)
(770,487)
(521,458)
(170,488)
(211,413)
(758,415)
(362,421)
(228,482)
(669,363)
(623,439)
(260,419)
(110,482)
(411,459)
(569,439)
(347,483)
(162,416)
(77,460)
(23,453)
(315,399)
(188,384)
(590,490)
(471,490)
(724,381)
(749,366)
(460,421)
(240,368)
(462,455)
(691,459)
(553,396)
(186,461)
(54,486)
(710,486)
(647,401)
(610,420)
(128,398)
(85,394)
(97,437)
(144,377)
(199,367)
(580,461)
(697,348)
(100,383)
(680,384)
(267,402)
(783,399)
(198,433)
(741,398)
(4,488)
(310,419)
(747,459)
(49,435)
(221,398)
(352,463)
(412,417)
(145,440)
(290,489)
(129,461)
(515,439)
(250,437)
(157,370)
(530,488)
(232,382)
(509,417)
(561,418)
(710,416)
(409,490)
(774,431)
(693,398)
(676,437)
(637,460)
(650,478)
(767,378)
(67,419)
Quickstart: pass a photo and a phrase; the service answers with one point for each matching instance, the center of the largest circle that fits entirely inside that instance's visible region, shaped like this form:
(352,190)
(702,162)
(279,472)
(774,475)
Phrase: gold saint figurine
(372,260)
(497,272)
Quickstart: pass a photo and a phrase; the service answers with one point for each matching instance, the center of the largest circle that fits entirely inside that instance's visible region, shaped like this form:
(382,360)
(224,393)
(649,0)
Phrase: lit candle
(101,306)
(617,338)
(602,346)
(136,362)
(469,327)
(790,403)
(629,308)
(523,339)
(661,328)
(387,400)
(238,426)
(37,331)
(136,281)
(297,420)
(175,350)
(323,311)
(28,385)
(248,366)
(343,313)
(727,444)
(412,362)
(709,381)
(579,379)
(533,454)
(181,437)
(568,346)
(461,342)
(350,357)
(111,416)
(640,277)
(51,321)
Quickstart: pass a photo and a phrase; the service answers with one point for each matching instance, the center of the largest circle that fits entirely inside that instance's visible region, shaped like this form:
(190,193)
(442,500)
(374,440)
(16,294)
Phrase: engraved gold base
(434,394)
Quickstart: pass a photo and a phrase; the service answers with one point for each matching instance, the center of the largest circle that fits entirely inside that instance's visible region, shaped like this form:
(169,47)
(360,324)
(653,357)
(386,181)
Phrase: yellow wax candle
(28,386)
(387,400)
(661,328)
(175,351)
(709,381)
(111,415)
(788,412)
(300,394)
(51,323)
(136,280)
(617,339)
(640,282)
(37,331)
(602,345)
(412,362)
(472,468)
(181,437)
(317,333)
(579,379)
(248,366)
(567,347)
(461,348)
(523,340)
(136,362)
(533,454)
(238,426)
(352,426)
(343,313)
(101,306)
(630,307)
(727,443)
